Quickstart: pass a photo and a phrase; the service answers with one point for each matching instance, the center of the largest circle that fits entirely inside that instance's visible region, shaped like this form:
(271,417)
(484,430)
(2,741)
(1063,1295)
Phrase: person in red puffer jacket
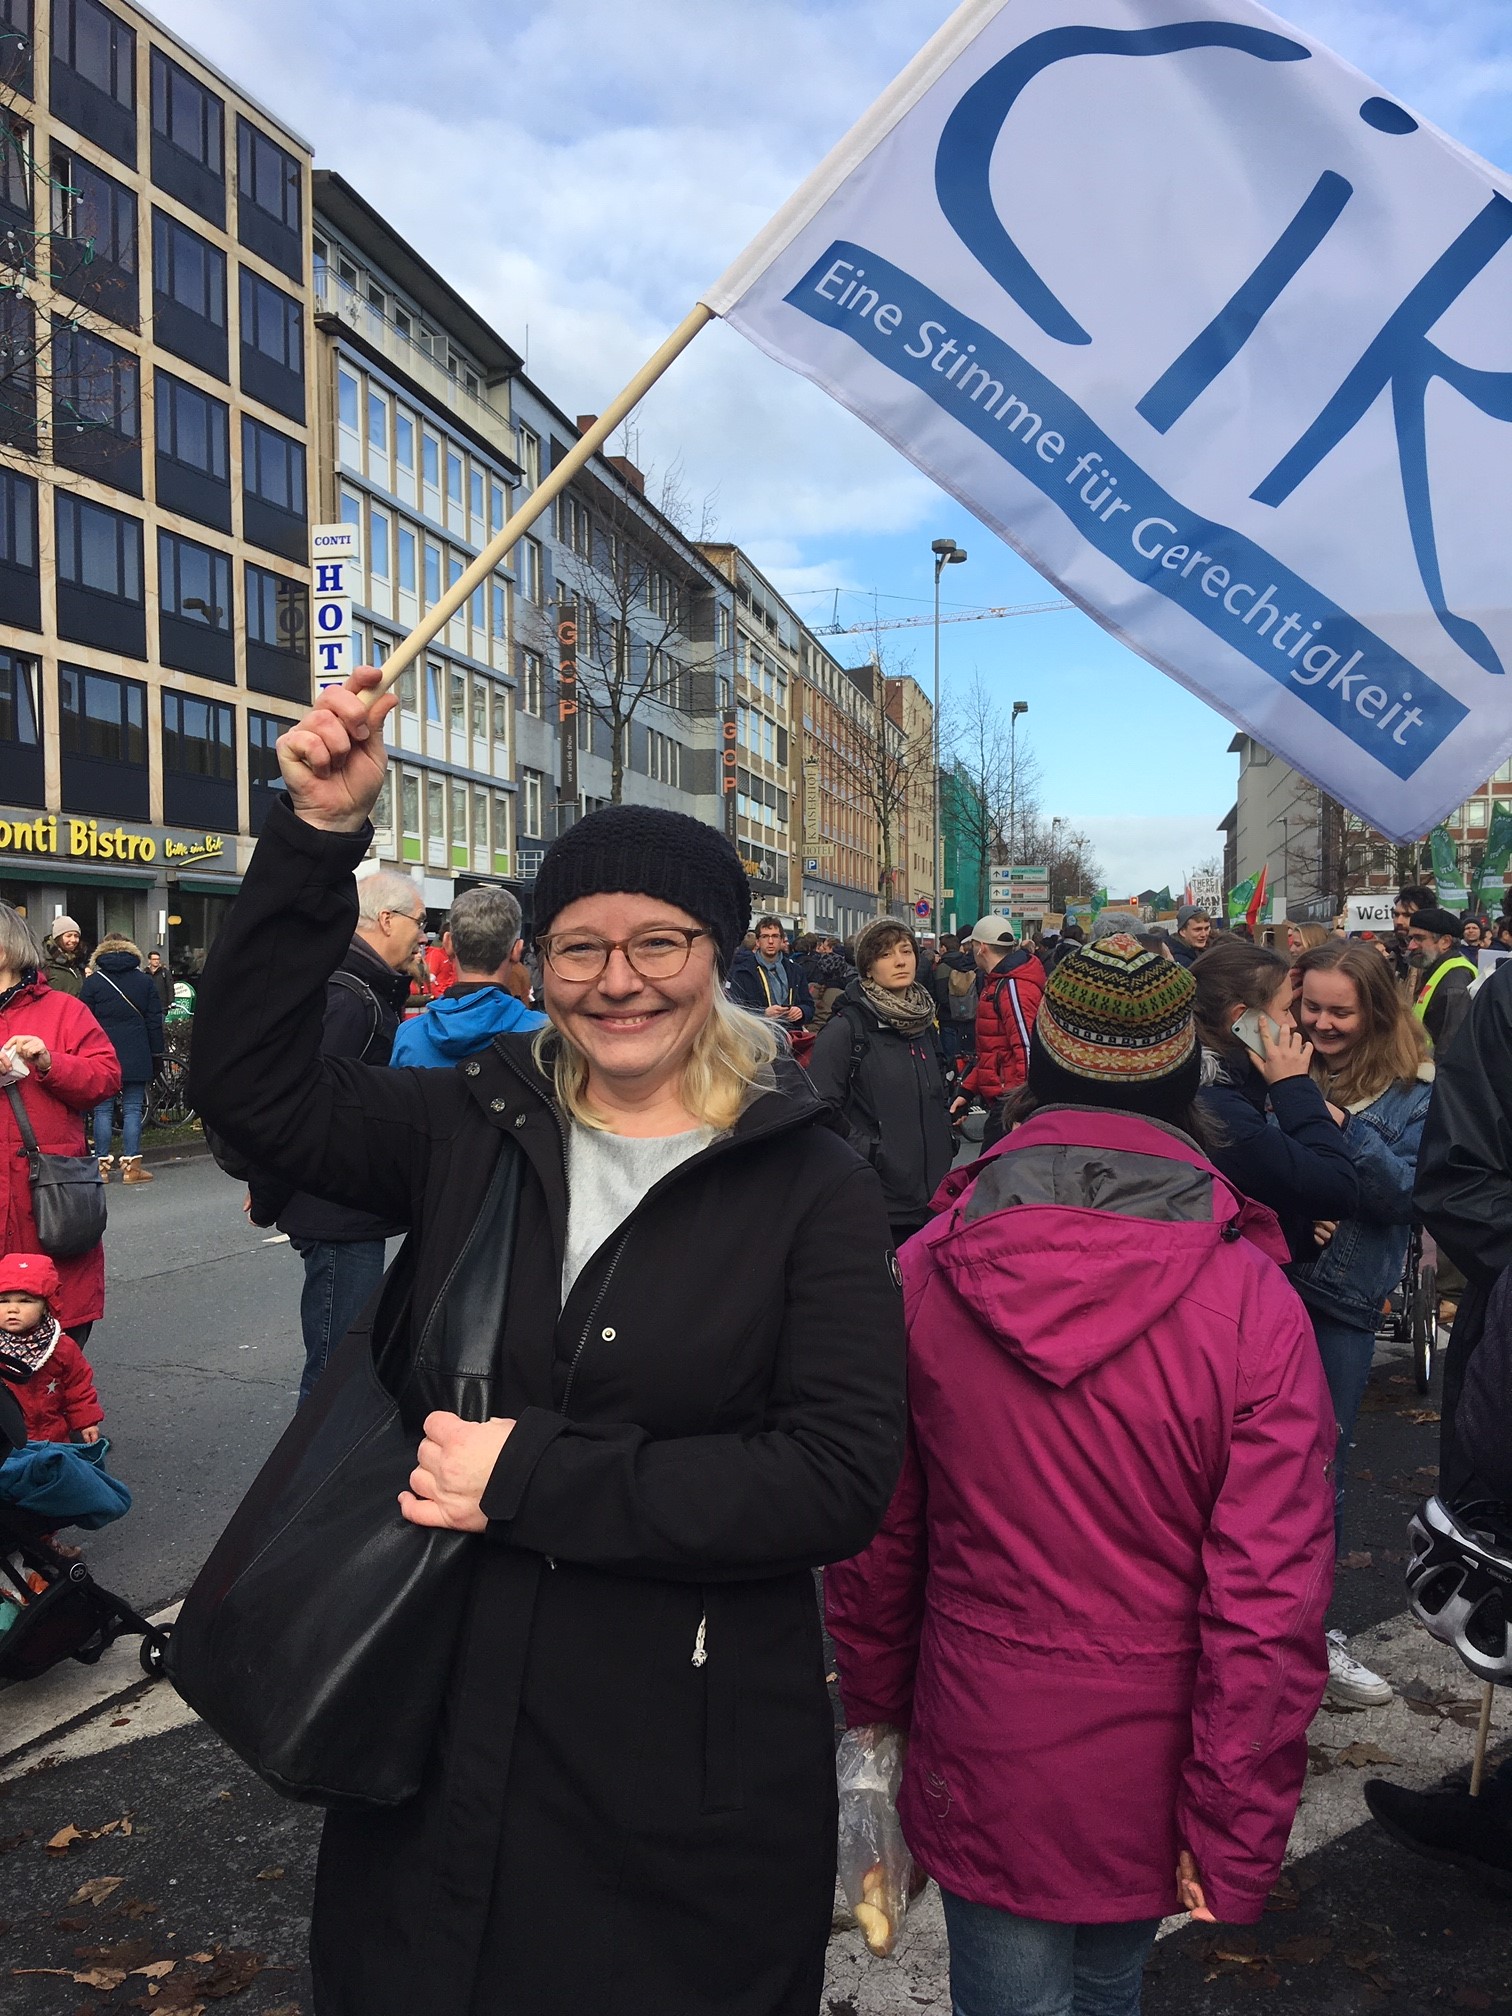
(1008,998)
(40,1363)
(1096,1603)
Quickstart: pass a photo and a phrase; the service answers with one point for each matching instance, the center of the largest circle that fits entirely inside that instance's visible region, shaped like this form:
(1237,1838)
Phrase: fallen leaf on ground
(1363,1476)
(268,1875)
(200,1959)
(1423,1417)
(127,1955)
(1361,1558)
(1361,1754)
(96,1890)
(64,1839)
(1307,1949)
(155,1969)
(100,1977)
(134,1907)
(1465,1713)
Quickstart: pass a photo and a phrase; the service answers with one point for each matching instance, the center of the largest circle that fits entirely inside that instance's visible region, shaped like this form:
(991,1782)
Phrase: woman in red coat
(71,1065)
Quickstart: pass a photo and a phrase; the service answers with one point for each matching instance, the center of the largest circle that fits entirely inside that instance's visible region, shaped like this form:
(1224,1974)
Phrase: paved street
(197,1365)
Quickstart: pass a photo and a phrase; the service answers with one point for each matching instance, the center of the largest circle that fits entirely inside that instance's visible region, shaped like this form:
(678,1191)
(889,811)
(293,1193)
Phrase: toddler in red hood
(39,1361)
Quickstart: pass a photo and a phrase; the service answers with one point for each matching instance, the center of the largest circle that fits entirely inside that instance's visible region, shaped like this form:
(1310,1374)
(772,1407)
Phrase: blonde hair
(1392,1044)
(731,1059)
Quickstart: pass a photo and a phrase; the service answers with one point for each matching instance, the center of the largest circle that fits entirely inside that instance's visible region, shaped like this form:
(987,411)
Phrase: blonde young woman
(1370,1059)
(631,1803)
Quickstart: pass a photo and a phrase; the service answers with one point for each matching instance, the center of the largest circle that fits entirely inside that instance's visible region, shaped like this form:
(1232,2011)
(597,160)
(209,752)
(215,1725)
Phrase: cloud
(1147,853)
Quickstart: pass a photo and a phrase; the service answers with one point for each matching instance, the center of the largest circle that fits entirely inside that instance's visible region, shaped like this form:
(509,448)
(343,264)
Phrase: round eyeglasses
(657,953)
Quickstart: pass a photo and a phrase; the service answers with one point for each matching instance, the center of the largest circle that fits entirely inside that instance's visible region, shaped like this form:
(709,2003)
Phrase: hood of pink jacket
(1112,1217)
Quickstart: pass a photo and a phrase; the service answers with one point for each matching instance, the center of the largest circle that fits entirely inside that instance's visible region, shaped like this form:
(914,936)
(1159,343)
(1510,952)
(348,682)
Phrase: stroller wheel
(154,1646)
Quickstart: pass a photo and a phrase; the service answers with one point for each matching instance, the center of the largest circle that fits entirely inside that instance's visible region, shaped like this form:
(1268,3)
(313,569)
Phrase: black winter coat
(890,1091)
(1299,1167)
(1464,1190)
(362,1002)
(631,1806)
(125,1003)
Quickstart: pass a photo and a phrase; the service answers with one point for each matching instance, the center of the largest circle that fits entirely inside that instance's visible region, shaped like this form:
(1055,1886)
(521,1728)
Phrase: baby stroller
(54,1607)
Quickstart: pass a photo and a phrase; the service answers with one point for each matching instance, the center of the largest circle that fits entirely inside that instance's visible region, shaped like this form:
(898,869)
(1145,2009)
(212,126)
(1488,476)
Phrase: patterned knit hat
(1115,1029)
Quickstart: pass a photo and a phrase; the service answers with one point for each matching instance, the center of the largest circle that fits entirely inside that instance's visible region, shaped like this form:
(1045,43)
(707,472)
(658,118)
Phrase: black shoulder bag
(67,1192)
(318,1638)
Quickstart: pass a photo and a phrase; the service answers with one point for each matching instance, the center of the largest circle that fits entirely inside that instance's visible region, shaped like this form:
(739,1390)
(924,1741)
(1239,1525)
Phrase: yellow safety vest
(1420,1006)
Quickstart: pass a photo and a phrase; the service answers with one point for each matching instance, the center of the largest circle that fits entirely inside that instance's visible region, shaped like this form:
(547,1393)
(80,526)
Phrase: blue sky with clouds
(581,169)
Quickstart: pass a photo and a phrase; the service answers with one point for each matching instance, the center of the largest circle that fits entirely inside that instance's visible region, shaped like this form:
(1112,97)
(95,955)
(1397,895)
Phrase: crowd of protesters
(1058,1401)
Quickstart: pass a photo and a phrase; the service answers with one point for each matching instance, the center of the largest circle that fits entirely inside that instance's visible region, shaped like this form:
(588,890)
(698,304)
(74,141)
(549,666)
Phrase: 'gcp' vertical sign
(335,556)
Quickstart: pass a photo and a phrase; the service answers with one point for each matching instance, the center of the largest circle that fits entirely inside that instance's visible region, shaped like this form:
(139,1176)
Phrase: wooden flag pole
(544,494)
(1478,1766)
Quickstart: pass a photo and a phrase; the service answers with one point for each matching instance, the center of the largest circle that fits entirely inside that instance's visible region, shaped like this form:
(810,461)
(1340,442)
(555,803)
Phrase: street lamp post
(947,554)
(1055,825)
(1019,707)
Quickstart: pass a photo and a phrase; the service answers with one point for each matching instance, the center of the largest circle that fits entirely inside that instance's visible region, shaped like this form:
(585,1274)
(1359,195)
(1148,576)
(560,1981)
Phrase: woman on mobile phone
(1274,1136)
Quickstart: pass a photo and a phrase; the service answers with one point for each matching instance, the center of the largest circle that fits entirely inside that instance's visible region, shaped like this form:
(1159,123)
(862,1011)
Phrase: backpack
(961,987)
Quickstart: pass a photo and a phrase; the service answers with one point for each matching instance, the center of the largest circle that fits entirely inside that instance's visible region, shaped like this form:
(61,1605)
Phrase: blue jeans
(133,1098)
(341,1275)
(1003,1965)
(1347,1356)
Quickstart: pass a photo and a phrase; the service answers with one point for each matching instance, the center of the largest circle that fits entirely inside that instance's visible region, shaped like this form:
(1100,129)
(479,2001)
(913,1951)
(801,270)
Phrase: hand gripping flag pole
(544,494)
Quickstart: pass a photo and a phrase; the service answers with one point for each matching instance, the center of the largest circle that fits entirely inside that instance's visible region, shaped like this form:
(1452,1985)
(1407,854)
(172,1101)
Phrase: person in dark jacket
(828,973)
(1194,930)
(770,981)
(1441,974)
(161,978)
(877,1061)
(631,1803)
(62,959)
(125,1004)
(341,1244)
(1275,1138)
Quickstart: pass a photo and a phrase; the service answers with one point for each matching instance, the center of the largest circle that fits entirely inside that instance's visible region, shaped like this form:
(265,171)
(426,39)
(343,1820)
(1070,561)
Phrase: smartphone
(1247,1029)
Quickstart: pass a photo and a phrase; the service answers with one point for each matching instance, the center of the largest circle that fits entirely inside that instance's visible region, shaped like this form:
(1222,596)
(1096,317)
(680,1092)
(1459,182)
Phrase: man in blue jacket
(483,936)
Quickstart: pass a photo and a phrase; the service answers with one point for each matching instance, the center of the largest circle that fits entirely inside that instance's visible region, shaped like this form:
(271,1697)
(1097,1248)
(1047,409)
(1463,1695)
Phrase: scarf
(910,1011)
(779,985)
(23,1355)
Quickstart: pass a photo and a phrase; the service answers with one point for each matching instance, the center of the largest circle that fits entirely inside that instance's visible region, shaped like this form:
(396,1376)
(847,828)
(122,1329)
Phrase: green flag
(1498,854)
(1447,879)
(1240,899)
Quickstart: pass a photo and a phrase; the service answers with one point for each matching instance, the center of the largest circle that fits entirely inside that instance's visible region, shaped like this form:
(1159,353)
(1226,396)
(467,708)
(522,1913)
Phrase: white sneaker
(1351,1684)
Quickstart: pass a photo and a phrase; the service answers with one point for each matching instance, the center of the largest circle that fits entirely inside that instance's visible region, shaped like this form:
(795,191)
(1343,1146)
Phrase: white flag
(1215,334)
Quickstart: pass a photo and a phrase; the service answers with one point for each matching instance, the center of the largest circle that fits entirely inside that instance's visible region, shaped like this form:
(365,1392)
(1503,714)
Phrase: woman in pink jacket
(1096,1605)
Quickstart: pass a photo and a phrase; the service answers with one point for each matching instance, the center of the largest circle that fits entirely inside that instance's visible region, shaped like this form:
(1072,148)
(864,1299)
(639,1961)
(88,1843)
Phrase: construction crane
(959,616)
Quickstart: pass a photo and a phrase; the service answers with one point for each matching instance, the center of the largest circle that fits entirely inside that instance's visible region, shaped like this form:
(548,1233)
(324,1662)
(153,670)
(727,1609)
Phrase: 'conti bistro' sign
(60,836)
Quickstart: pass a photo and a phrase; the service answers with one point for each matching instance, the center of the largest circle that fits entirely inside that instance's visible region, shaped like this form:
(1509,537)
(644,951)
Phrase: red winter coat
(85,1069)
(1007,1006)
(61,1397)
(1097,1599)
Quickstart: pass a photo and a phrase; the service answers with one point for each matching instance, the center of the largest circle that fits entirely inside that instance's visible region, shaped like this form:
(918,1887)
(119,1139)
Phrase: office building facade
(154,471)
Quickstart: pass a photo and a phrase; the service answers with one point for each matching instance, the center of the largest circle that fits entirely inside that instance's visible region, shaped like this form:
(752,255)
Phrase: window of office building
(199,762)
(194,595)
(94,241)
(532,784)
(99,565)
(274,510)
(94,75)
(264,779)
(16,46)
(188,294)
(103,742)
(272,346)
(188,139)
(20,577)
(532,572)
(15,186)
(430,467)
(530,457)
(532,683)
(97,424)
(268,209)
(572,525)
(193,452)
(278,634)
(22,780)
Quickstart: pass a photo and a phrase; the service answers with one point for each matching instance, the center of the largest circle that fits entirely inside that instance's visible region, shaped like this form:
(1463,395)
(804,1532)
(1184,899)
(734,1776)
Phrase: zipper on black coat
(598,1303)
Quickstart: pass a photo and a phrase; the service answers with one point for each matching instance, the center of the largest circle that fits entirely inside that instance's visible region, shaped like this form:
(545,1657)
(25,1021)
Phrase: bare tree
(1075,870)
(622,581)
(975,743)
(65,384)
(878,761)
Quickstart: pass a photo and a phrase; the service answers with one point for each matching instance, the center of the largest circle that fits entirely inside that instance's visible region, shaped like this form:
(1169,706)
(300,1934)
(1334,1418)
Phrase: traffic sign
(921,908)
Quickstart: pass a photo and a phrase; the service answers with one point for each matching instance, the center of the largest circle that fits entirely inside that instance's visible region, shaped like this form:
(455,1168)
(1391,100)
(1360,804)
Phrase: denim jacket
(1363,1261)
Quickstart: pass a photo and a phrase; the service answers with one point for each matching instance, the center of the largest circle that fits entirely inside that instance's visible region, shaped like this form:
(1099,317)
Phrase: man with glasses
(769,981)
(342,1247)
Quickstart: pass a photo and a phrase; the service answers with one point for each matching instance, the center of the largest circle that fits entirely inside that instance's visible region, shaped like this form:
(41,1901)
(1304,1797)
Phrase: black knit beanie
(637,850)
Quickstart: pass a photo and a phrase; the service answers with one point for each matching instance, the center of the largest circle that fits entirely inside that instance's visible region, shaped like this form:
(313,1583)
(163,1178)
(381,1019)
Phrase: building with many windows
(154,448)
(910,709)
(845,766)
(623,645)
(417,451)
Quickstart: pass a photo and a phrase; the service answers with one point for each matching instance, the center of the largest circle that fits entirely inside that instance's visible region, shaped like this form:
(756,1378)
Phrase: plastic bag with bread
(876,1869)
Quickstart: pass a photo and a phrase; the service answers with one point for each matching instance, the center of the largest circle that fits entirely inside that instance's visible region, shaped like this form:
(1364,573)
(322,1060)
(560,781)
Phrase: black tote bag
(67,1193)
(317,1639)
